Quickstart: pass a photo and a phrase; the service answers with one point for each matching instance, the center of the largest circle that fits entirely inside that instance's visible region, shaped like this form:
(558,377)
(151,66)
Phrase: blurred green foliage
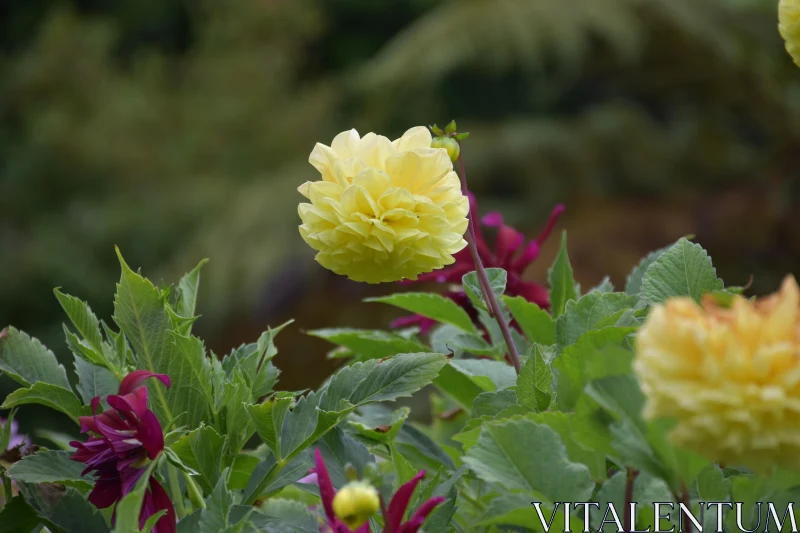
(179,130)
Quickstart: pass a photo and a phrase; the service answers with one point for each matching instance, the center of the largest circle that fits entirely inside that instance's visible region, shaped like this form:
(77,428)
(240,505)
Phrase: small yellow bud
(451,145)
(355,503)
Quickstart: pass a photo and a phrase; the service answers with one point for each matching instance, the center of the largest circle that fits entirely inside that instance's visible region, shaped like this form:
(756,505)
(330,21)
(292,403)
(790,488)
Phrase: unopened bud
(355,503)
(451,145)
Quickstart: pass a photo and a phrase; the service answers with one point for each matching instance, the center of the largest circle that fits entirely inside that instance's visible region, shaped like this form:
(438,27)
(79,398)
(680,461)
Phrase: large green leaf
(52,396)
(380,382)
(200,450)
(63,509)
(683,270)
(50,467)
(633,284)
(140,312)
(593,311)
(486,374)
(187,291)
(369,344)
(497,278)
(286,516)
(562,280)
(431,305)
(537,324)
(25,360)
(458,385)
(524,455)
(18,517)
(535,383)
(94,380)
(82,318)
(571,364)
(268,421)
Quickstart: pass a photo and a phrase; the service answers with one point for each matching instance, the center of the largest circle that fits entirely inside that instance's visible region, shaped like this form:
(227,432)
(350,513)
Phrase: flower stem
(491,299)
(175,489)
(630,478)
(195,495)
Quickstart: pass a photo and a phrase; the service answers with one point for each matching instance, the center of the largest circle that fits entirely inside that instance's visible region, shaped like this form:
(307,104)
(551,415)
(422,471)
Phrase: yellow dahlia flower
(729,376)
(789,26)
(383,210)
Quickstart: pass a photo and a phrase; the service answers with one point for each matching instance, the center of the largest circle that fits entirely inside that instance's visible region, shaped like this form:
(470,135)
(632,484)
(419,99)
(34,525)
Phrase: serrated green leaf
(458,385)
(18,517)
(52,396)
(63,509)
(595,310)
(269,476)
(94,381)
(268,421)
(82,318)
(604,286)
(474,344)
(214,518)
(25,360)
(562,281)
(431,305)
(189,370)
(685,269)
(371,381)
(338,450)
(370,344)
(492,403)
(503,455)
(488,375)
(712,486)
(571,364)
(633,284)
(286,516)
(50,467)
(187,291)
(379,425)
(537,324)
(535,383)
(497,283)
(403,469)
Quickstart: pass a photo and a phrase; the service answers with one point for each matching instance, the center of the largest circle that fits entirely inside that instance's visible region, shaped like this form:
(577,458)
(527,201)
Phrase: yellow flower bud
(383,210)
(449,144)
(355,503)
(789,26)
(729,376)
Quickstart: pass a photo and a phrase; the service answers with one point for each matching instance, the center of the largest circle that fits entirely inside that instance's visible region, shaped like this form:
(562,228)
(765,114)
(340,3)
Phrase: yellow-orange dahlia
(383,210)
(789,26)
(729,376)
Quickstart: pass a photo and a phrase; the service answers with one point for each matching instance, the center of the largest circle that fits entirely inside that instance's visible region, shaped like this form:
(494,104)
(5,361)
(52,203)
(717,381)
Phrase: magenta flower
(510,253)
(124,440)
(393,516)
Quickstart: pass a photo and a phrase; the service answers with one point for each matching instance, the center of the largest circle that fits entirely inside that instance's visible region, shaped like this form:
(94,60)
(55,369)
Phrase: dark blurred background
(180,129)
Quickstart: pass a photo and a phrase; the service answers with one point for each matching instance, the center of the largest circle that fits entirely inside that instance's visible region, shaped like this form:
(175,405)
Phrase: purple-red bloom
(510,253)
(393,516)
(124,440)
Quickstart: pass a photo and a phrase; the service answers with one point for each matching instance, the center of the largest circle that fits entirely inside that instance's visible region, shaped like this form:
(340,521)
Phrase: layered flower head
(349,509)
(383,210)
(124,439)
(729,376)
(789,26)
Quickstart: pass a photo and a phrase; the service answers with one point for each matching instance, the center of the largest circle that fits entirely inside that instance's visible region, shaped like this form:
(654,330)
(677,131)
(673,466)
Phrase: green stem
(175,489)
(7,494)
(195,495)
(488,294)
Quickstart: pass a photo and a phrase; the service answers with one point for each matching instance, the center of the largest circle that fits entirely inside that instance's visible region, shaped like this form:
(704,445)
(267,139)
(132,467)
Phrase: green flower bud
(355,503)
(451,145)
(350,472)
